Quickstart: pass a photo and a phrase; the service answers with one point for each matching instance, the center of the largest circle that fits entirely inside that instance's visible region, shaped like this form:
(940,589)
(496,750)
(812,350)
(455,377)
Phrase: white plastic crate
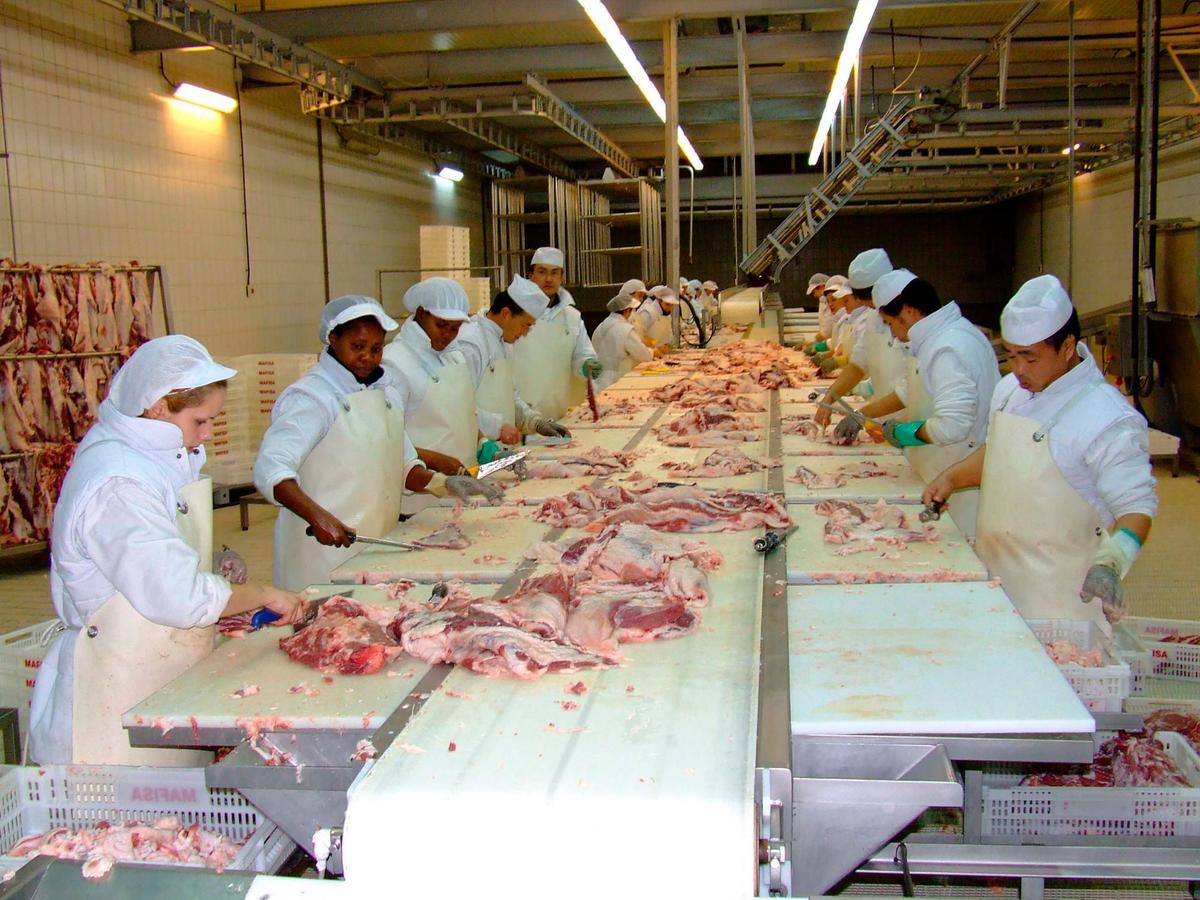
(445,247)
(1135,653)
(35,799)
(21,655)
(1179,662)
(1010,810)
(1101,688)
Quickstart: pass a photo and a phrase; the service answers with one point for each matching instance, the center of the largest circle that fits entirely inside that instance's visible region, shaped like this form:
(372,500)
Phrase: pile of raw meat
(722,463)
(664,509)
(841,476)
(1068,653)
(166,842)
(596,461)
(627,584)
(613,409)
(1182,722)
(704,389)
(806,427)
(708,427)
(726,402)
(1176,638)
(768,365)
(29,488)
(449,537)
(881,528)
(1124,760)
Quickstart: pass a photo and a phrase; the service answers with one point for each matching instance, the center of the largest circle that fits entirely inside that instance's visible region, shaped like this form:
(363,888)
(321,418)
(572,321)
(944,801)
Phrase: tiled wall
(105,165)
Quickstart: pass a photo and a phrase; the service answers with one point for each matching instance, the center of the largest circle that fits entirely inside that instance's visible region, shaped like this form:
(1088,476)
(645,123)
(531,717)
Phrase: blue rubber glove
(903,434)
(487,452)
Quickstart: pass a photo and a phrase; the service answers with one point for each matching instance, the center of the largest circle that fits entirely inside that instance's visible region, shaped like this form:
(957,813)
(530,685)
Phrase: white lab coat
(618,348)
(413,381)
(303,415)
(114,532)
(824,317)
(1101,443)
(959,373)
(853,327)
(564,311)
(651,321)
(480,342)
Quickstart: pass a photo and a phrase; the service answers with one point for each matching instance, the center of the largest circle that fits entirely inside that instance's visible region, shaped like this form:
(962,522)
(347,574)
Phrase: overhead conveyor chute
(861,163)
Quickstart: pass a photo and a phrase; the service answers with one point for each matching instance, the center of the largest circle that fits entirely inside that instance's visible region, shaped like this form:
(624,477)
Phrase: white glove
(230,564)
(1111,562)
(464,487)
(549,428)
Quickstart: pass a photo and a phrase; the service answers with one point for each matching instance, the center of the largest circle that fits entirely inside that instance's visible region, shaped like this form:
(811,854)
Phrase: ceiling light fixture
(204,97)
(611,32)
(1066,151)
(854,38)
(450,173)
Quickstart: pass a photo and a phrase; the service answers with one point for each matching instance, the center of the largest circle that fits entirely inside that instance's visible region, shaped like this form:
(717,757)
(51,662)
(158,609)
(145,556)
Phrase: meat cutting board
(799,445)
(921,659)
(801,395)
(498,535)
(657,757)
(811,560)
(583,439)
(651,458)
(900,485)
(581,416)
(204,694)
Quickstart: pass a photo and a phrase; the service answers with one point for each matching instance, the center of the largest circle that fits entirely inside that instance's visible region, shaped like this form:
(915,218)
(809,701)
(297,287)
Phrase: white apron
(887,363)
(1036,533)
(495,393)
(121,658)
(661,332)
(357,473)
(445,420)
(933,459)
(543,367)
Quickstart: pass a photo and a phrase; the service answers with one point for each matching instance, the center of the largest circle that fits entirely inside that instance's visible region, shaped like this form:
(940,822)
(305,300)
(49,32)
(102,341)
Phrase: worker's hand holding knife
(329,530)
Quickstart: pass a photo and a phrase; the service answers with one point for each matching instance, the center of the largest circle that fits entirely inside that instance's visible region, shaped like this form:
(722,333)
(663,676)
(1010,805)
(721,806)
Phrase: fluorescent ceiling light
(609,30)
(204,97)
(450,173)
(1066,151)
(854,38)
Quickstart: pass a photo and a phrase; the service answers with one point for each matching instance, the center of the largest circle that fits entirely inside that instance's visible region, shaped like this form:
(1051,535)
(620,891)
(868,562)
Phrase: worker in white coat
(556,359)
(1067,493)
(617,343)
(653,318)
(952,374)
(336,458)
(634,288)
(130,569)
(816,289)
(833,292)
(485,342)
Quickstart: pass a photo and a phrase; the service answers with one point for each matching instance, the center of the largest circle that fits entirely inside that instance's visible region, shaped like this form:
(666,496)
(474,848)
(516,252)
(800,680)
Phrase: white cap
(632,286)
(172,363)
(710,286)
(621,302)
(890,285)
(442,298)
(867,268)
(694,284)
(528,296)
(838,285)
(817,283)
(663,293)
(350,307)
(548,256)
(1037,310)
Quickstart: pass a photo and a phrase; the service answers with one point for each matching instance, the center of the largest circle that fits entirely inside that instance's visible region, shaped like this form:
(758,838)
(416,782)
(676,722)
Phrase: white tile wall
(1103,226)
(104,165)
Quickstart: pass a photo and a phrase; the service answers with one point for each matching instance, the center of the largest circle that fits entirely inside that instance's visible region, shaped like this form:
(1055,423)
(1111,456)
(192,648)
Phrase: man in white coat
(555,360)
(652,320)
(1067,492)
(618,344)
(635,288)
(485,343)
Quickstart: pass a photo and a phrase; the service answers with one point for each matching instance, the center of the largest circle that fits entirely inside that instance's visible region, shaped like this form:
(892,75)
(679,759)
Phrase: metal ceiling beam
(426,145)
(214,26)
(569,120)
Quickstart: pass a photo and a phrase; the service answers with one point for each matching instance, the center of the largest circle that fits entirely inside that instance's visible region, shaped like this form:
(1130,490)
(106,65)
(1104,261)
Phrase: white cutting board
(655,763)
(799,445)
(581,416)
(921,659)
(800,395)
(811,560)
(795,408)
(205,691)
(501,532)
(900,485)
(652,378)
(650,460)
(583,439)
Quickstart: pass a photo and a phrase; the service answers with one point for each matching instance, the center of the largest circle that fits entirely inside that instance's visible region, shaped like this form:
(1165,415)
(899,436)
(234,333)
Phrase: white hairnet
(621,302)
(528,296)
(441,297)
(816,283)
(694,285)
(158,367)
(890,285)
(632,286)
(867,268)
(710,286)
(350,307)
(662,292)
(1036,311)
(838,285)
(548,256)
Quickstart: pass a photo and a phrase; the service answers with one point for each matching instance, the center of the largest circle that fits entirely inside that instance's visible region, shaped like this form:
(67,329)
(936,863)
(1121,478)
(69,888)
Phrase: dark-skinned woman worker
(130,572)
(336,458)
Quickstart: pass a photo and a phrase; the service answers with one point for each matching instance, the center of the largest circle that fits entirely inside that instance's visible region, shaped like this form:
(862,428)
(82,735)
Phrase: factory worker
(484,343)
(618,344)
(634,288)
(951,377)
(1067,493)
(130,569)
(695,288)
(867,349)
(555,360)
(653,318)
(335,457)
(833,294)
(816,288)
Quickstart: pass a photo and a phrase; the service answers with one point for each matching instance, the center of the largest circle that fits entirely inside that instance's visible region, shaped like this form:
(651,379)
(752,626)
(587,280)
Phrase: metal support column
(1070,145)
(746,131)
(671,161)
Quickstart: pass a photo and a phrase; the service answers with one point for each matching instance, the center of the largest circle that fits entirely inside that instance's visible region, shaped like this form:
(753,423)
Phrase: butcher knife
(873,428)
(496,465)
(356,538)
(266,616)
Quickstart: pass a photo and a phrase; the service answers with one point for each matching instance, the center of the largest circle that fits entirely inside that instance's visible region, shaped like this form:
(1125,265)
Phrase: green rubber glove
(903,434)
(821,347)
(487,452)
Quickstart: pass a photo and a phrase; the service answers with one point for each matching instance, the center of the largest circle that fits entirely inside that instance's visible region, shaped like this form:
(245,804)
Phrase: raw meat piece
(875,528)
(840,476)
(727,402)
(1126,759)
(624,406)
(345,637)
(722,463)
(448,537)
(19,514)
(20,410)
(102,314)
(664,509)
(44,314)
(1068,653)
(12,312)
(705,427)
(1182,722)
(806,427)
(122,303)
(712,387)
(363,751)
(165,842)
(82,336)
(142,328)
(596,461)
(1176,638)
